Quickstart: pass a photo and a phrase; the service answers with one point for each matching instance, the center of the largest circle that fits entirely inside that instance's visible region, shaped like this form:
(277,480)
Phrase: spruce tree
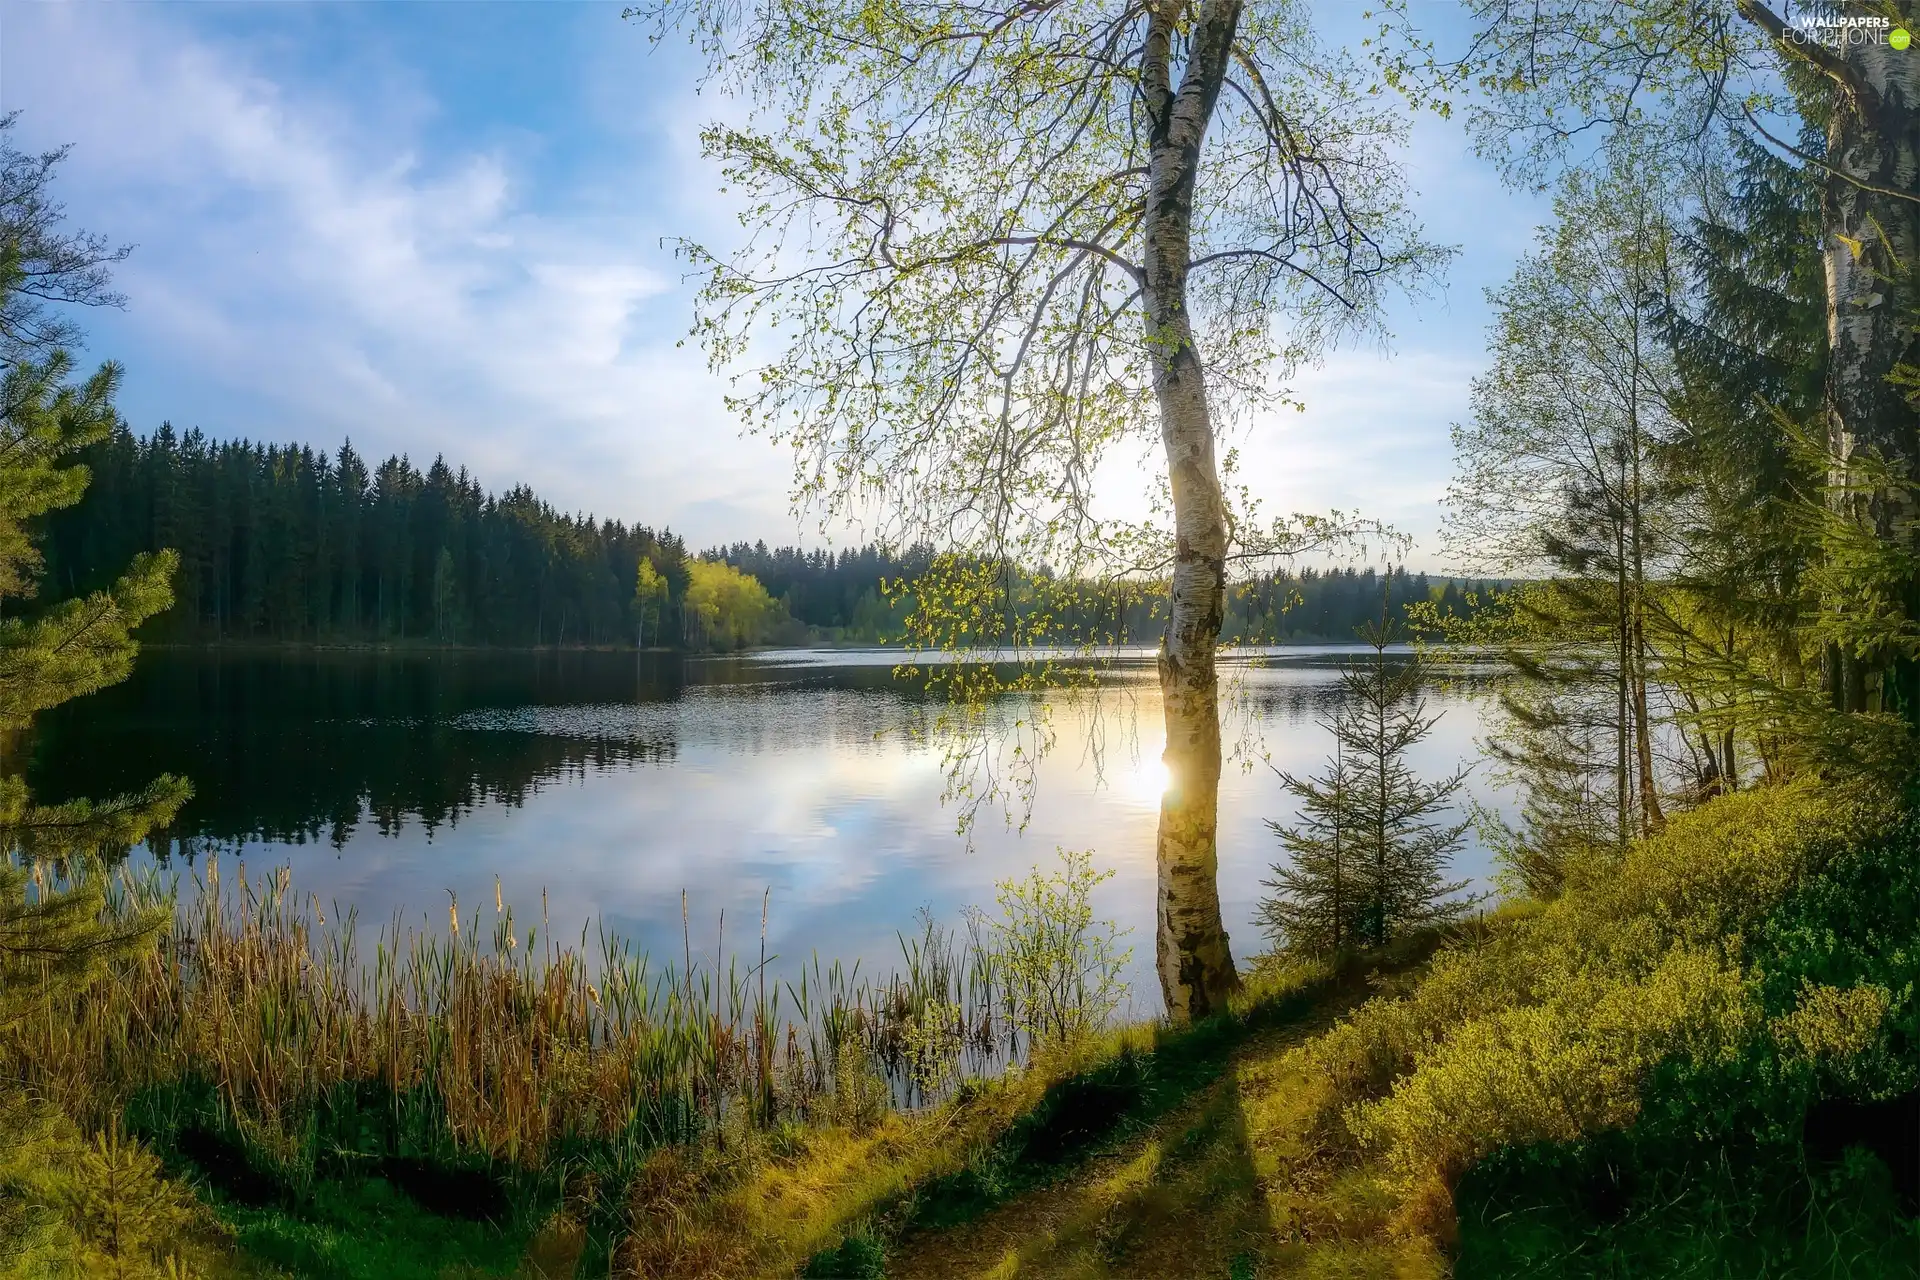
(1318,897)
(1371,850)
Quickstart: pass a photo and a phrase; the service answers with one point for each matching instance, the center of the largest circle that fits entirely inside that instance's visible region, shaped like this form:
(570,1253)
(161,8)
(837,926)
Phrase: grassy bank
(424,1099)
(1673,1069)
(1690,1064)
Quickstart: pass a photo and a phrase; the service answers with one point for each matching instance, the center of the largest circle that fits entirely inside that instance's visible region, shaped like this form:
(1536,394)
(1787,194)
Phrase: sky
(438,229)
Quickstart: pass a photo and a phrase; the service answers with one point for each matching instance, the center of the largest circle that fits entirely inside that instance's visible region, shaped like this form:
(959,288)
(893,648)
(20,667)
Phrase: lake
(610,783)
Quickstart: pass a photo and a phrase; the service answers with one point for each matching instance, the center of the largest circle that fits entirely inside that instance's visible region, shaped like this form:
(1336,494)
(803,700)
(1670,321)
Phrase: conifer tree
(54,938)
(1371,851)
(1317,898)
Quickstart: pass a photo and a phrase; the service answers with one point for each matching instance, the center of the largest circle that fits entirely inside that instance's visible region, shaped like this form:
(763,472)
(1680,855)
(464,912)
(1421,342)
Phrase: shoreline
(424,647)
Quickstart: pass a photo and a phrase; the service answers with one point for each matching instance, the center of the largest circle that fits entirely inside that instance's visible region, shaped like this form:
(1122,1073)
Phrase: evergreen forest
(295,543)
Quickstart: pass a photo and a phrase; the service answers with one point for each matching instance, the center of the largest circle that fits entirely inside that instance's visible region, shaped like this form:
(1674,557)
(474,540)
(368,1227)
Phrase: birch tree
(994,245)
(1830,87)
(1555,467)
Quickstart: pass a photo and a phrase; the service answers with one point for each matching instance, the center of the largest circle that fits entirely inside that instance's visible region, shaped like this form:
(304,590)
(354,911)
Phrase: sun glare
(1147,780)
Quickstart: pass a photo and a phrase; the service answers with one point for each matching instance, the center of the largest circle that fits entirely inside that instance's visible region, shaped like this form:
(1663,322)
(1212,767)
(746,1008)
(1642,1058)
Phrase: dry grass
(522,1047)
(580,1075)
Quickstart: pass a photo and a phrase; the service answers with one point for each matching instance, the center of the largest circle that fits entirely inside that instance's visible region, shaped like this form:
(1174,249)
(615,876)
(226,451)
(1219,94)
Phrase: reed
(260,1023)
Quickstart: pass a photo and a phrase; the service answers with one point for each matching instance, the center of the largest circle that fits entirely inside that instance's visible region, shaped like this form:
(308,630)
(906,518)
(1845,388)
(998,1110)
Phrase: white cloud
(316,261)
(308,270)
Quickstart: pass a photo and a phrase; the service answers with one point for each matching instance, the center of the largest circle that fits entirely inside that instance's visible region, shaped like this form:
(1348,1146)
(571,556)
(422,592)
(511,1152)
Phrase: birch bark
(1872,261)
(1190,943)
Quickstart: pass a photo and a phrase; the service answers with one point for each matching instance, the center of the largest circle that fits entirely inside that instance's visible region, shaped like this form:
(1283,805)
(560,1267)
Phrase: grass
(838,1196)
(1628,1081)
(1218,1177)
(1135,1084)
(1605,1209)
(325,1100)
(1671,1069)
(368,1228)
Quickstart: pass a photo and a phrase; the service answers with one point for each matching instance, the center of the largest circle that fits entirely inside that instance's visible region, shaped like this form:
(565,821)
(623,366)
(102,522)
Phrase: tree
(649,596)
(1684,77)
(1369,854)
(444,596)
(54,937)
(730,609)
(1555,467)
(1750,347)
(1315,904)
(997,246)
(44,267)
(284,542)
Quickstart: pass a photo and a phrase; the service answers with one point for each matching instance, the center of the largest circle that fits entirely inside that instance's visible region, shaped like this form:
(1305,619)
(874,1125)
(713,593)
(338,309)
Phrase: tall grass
(260,1026)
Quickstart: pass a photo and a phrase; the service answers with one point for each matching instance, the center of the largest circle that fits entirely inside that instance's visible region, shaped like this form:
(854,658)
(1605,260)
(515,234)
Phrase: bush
(72,1206)
(1797,1155)
(1554,1027)
(1061,968)
(856,1258)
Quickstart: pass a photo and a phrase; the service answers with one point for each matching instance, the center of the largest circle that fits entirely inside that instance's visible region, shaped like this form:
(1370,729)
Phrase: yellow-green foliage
(764,1208)
(1830,1024)
(1062,968)
(730,608)
(1549,1028)
(101,1207)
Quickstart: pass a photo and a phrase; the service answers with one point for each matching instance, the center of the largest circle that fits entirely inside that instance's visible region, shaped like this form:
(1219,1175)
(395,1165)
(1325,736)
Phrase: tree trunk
(1623,676)
(1651,818)
(1872,252)
(1190,940)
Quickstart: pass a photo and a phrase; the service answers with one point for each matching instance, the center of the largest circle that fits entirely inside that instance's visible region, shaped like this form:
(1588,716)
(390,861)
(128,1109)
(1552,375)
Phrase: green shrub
(856,1258)
(1723,1172)
(76,1207)
(1553,1027)
(1061,967)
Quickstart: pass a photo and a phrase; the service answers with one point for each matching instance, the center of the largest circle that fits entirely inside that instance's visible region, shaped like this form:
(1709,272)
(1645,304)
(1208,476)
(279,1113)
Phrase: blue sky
(436,228)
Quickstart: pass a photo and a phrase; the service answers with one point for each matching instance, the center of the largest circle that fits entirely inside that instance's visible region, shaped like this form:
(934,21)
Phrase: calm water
(613,783)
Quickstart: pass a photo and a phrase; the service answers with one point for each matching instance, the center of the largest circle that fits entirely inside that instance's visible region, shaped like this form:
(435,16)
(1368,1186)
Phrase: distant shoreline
(422,646)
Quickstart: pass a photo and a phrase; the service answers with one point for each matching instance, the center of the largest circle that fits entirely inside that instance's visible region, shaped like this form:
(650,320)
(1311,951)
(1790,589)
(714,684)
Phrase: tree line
(291,543)
(866,594)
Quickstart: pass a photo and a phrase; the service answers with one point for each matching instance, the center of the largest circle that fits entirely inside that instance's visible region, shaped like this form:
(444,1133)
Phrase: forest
(295,543)
(1669,1027)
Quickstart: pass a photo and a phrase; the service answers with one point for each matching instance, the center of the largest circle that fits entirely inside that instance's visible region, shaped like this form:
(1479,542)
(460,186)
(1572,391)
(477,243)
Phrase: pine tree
(57,935)
(54,938)
(1370,853)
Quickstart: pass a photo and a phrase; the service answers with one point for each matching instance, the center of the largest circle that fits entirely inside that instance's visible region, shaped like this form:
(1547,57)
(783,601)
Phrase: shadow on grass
(1606,1206)
(376,1190)
(1104,1107)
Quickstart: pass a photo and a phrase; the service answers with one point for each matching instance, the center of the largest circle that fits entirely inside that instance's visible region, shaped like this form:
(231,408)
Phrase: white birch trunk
(1195,965)
(1872,256)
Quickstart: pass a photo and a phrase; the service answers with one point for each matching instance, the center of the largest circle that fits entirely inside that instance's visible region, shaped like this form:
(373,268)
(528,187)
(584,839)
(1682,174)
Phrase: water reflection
(604,785)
